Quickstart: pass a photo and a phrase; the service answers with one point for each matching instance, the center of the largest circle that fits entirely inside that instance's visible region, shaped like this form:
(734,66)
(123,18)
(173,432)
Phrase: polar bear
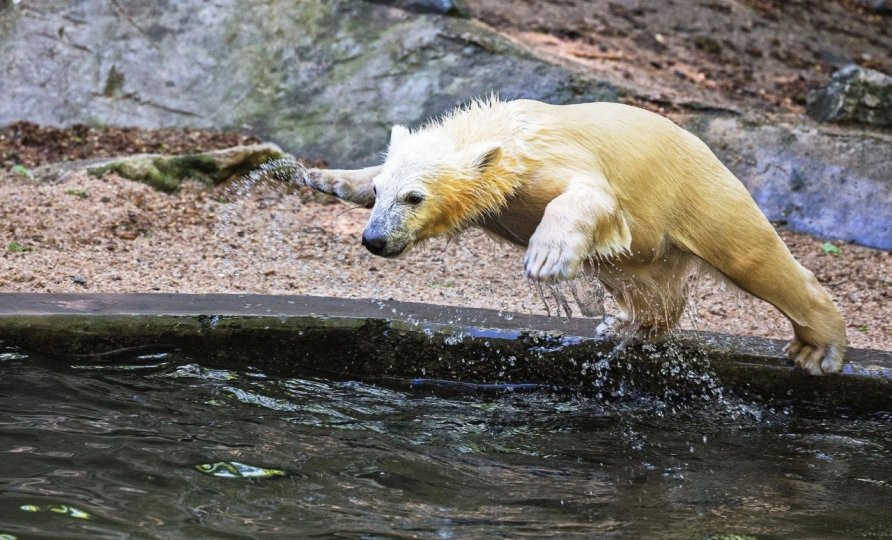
(601,188)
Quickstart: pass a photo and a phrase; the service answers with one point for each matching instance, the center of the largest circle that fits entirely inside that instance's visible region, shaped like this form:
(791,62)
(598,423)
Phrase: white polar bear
(600,188)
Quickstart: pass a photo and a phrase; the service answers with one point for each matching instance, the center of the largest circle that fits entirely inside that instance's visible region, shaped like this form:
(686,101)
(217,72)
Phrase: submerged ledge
(414,343)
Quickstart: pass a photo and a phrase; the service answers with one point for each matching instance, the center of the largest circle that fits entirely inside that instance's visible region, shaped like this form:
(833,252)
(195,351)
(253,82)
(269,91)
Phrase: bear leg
(585,220)
(651,297)
(754,258)
(350,185)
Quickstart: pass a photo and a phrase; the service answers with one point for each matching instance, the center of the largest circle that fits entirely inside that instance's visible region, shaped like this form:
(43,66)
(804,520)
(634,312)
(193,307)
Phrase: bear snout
(376,243)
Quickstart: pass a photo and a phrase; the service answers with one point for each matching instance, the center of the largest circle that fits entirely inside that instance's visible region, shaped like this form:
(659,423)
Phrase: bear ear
(398,133)
(485,156)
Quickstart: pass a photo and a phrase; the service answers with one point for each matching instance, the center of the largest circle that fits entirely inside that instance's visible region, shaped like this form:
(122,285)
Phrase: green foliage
(22,170)
(831,249)
(80,193)
(16,247)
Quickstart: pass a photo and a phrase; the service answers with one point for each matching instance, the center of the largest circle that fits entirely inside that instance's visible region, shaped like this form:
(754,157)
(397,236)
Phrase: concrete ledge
(422,344)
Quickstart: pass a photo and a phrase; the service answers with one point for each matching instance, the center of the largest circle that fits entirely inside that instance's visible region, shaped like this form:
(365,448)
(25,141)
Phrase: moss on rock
(166,173)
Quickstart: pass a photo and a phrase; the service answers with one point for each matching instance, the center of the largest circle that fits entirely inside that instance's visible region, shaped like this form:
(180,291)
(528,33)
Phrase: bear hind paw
(620,328)
(815,359)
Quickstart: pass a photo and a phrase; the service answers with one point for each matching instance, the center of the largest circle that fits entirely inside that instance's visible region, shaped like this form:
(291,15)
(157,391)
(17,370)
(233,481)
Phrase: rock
(79,280)
(883,7)
(826,181)
(707,44)
(854,95)
(322,78)
(834,57)
(454,8)
(167,173)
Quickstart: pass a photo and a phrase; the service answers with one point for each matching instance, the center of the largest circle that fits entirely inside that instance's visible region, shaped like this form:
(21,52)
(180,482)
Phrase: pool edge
(368,338)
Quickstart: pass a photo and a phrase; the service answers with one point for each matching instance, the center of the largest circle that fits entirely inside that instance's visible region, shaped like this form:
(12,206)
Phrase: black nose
(373,243)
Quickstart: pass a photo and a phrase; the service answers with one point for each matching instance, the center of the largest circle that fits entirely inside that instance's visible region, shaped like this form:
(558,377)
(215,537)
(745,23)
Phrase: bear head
(434,183)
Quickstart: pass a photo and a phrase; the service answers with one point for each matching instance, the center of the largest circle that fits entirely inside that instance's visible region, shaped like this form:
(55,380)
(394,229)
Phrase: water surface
(166,446)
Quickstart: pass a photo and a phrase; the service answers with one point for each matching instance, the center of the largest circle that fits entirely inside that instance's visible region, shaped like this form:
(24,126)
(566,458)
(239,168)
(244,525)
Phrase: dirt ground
(741,55)
(30,145)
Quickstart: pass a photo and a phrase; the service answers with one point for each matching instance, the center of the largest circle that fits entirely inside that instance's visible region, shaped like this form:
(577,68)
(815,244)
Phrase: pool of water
(167,446)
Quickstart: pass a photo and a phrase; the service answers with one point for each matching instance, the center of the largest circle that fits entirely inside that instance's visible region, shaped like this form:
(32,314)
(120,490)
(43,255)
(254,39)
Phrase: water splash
(284,171)
(557,295)
(274,186)
(589,294)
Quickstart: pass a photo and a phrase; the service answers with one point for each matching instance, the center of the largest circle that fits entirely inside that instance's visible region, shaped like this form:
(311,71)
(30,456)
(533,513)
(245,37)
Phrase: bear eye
(413,198)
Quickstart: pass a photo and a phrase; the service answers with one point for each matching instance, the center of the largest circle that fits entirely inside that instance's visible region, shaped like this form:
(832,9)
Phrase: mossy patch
(145,171)
(113,82)
(166,173)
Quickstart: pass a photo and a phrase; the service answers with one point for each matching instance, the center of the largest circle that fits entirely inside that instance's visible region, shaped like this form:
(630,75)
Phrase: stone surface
(168,172)
(854,95)
(455,8)
(323,78)
(883,7)
(826,181)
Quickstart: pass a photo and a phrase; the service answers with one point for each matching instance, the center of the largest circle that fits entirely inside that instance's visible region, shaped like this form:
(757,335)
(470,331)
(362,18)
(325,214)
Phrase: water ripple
(188,449)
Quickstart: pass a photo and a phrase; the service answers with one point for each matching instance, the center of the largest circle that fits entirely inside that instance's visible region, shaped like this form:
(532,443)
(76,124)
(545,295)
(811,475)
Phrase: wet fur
(601,188)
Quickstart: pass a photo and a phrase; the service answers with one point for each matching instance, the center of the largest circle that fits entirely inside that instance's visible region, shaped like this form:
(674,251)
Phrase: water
(165,446)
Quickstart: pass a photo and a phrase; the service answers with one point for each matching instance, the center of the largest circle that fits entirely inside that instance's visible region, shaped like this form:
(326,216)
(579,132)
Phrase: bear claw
(815,359)
(554,260)
(316,180)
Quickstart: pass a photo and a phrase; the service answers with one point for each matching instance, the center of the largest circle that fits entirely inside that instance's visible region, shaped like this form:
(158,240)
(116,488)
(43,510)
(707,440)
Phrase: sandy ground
(113,235)
(743,55)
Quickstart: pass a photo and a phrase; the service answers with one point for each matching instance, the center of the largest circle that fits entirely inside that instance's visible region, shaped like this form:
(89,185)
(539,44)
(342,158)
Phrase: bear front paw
(554,260)
(815,359)
(323,183)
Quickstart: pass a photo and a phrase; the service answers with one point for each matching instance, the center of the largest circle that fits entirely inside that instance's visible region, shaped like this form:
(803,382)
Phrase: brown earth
(115,235)
(30,145)
(741,55)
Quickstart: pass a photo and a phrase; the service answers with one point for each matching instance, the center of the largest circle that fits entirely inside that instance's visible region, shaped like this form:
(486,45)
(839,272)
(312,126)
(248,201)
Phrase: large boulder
(455,8)
(854,95)
(823,180)
(322,78)
(883,7)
